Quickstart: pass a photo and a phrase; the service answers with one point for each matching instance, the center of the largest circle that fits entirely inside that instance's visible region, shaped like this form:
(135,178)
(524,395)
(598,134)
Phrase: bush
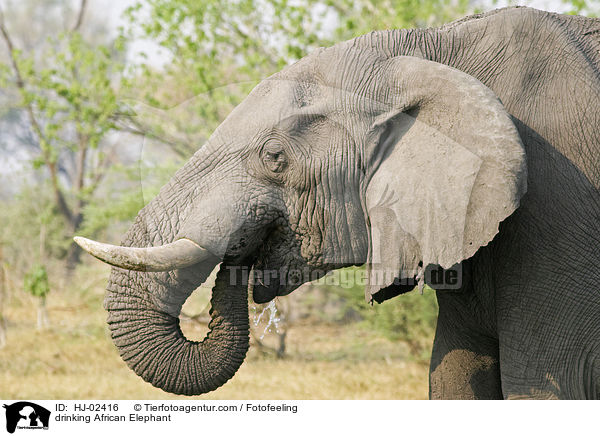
(410,317)
(36,281)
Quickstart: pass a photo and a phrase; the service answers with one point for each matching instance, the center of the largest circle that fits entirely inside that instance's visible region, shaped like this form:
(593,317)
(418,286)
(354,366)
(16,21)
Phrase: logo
(26,415)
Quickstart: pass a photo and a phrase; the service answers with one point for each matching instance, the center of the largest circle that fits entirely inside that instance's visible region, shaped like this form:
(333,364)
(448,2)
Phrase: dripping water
(272,321)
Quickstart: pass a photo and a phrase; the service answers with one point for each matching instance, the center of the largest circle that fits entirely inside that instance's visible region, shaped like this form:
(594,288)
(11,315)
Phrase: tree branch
(81,157)
(79,16)
(100,171)
(11,48)
(181,148)
(79,180)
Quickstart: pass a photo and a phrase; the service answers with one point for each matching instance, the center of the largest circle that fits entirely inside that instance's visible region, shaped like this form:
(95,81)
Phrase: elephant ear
(446,166)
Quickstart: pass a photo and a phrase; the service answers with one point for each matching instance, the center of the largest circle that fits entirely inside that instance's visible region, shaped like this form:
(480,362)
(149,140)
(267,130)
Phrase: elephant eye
(275,161)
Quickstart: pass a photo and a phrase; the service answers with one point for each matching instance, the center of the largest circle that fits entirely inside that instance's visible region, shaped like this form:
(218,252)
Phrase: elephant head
(346,157)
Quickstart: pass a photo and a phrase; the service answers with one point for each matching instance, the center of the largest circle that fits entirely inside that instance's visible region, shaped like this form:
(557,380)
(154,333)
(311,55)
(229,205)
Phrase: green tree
(36,283)
(69,89)
(410,317)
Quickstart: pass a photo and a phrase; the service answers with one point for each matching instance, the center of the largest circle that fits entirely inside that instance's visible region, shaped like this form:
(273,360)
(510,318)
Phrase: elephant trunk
(150,339)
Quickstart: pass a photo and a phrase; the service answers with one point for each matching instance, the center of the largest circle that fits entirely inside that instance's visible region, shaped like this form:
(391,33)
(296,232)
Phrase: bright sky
(115,9)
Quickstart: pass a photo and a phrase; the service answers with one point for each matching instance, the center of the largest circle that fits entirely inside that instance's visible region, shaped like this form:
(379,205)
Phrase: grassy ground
(75,358)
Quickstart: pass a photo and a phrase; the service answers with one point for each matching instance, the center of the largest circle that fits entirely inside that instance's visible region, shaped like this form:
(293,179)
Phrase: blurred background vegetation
(100,102)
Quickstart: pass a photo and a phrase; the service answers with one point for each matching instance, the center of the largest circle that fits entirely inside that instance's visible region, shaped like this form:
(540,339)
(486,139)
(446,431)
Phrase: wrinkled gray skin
(370,138)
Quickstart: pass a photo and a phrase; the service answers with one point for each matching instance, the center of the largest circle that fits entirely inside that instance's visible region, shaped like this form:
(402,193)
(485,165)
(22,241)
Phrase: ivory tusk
(178,254)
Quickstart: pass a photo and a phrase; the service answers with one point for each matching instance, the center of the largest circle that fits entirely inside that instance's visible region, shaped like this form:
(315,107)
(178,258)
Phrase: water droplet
(273,319)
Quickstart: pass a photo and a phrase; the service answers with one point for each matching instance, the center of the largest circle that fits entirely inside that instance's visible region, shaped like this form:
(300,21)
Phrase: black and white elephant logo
(24,414)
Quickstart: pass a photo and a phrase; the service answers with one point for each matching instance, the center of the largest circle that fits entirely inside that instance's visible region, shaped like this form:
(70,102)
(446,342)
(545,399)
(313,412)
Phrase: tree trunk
(42,314)
(73,258)
(74,251)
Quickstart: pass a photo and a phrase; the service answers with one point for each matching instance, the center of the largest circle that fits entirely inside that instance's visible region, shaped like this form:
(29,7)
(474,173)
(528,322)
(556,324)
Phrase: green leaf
(36,281)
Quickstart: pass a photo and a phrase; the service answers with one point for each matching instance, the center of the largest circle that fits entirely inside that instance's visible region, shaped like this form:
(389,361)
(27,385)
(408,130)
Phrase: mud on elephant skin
(402,150)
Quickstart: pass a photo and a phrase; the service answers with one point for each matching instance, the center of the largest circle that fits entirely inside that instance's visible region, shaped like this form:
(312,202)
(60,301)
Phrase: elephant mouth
(266,284)
(263,294)
(267,281)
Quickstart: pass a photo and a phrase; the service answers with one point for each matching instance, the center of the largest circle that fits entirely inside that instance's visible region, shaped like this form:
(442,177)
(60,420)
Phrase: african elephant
(471,147)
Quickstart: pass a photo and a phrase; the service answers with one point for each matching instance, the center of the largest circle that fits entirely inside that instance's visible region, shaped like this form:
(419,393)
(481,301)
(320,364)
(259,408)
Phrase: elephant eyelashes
(275,161)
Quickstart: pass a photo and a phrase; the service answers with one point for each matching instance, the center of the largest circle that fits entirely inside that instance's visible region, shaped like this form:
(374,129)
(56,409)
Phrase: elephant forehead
(262,112)
(286,100)
(264,108)
(286,96)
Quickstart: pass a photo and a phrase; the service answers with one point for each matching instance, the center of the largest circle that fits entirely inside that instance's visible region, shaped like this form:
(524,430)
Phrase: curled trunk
(143,320)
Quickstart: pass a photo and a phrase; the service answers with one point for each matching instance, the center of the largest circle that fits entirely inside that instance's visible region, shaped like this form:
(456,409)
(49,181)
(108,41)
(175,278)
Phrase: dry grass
(75,358)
